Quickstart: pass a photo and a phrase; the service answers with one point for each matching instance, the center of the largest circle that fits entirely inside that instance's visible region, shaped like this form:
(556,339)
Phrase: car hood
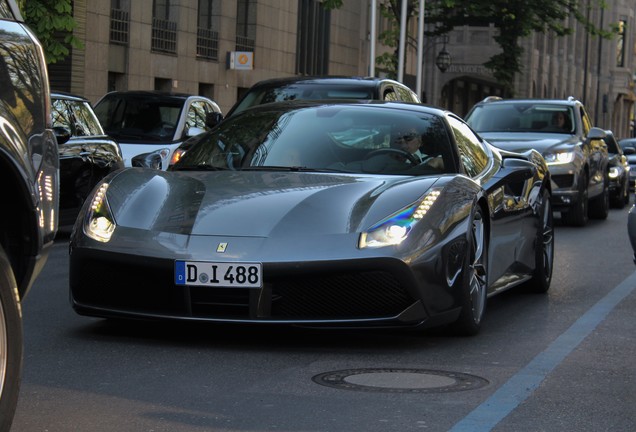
(522,141)
(257,203)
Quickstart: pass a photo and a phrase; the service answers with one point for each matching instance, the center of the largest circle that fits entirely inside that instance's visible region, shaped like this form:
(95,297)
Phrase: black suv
(562,132)
(29,175)
(324,87)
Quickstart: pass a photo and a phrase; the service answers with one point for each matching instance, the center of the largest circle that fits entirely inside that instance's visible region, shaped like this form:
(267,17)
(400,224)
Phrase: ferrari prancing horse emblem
(221,247)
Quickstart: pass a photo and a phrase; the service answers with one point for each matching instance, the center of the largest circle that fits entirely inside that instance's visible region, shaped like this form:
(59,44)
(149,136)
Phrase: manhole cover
(400,380)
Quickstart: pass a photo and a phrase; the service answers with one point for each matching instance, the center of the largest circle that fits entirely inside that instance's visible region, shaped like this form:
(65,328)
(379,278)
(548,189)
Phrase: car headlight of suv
(559,157)
(99,223)
(396,228)
(614,172)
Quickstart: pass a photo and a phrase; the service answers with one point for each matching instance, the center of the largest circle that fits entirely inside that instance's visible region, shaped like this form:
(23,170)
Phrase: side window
(405,95)
(389,94)
(60,115)
(85,122)
(196,114)
(587,124)
(471,150)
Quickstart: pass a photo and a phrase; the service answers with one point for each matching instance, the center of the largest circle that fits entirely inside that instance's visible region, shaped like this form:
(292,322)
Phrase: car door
(508,195)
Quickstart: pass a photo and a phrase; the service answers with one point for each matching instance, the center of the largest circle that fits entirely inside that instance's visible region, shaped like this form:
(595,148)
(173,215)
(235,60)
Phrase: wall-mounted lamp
(443,60)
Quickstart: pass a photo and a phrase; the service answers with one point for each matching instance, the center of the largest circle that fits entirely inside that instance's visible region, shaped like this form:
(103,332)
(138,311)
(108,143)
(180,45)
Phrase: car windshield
(139,119)
(522,117)
(338,138)
(303,91)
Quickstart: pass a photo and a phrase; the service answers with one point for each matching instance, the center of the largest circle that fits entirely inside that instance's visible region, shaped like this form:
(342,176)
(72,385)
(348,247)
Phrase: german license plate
(218,274)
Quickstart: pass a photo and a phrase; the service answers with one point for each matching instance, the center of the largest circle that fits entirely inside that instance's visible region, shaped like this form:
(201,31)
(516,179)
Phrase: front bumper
(354,293)
(565,186)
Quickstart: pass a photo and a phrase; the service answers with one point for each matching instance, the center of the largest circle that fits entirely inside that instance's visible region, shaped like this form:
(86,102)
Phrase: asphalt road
(557,362)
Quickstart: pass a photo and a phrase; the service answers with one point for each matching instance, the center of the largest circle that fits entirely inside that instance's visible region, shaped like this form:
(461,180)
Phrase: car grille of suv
(563,180)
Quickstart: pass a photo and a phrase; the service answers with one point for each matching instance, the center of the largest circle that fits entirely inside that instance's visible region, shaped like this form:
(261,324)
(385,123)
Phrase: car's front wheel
(10,343)
(474,279)
(544,249)
(599,206)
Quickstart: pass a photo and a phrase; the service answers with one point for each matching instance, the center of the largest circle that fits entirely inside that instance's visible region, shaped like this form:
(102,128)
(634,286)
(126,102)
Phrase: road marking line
(521,385)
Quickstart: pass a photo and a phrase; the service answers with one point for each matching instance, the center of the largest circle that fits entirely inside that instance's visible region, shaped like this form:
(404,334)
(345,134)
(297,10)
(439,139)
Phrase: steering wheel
(408,156)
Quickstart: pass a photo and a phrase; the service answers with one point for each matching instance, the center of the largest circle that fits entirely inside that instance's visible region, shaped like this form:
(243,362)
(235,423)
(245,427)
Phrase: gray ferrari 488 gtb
(345,214)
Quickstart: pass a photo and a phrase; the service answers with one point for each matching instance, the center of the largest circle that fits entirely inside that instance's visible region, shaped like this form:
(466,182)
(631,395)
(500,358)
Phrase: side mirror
(212,119)
(629,150)
(596,134)
(62,134)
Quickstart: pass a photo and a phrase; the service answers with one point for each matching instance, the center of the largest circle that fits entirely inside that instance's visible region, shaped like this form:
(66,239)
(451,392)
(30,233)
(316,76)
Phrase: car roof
(331,80)
(148,93)
(309,103)
(497,100)
(67,96)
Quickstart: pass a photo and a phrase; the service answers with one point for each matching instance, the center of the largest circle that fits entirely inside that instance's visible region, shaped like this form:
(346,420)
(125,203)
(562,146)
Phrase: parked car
(323,87)
(314,214)
(29,176)
(87,154)
(629,150)
(562,131)
(151,125)
(618,172)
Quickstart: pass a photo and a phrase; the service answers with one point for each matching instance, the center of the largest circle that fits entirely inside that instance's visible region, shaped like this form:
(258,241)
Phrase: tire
(10,343)
(621,199)
(577,214)
(474,279)
(544,249)
(599,207)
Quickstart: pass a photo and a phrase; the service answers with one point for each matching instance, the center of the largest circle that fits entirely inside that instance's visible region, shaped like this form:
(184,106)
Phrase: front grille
(564,181)
(362,295)
(147,286)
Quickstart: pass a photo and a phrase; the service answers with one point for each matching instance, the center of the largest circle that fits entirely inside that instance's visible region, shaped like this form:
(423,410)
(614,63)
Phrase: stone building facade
(219,48)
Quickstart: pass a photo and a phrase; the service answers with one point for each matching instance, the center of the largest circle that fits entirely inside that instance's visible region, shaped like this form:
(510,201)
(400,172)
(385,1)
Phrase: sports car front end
(316,249)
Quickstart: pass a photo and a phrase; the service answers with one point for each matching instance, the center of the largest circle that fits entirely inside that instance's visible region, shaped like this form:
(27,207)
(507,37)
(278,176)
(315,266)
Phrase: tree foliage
(53,23)
(514,19)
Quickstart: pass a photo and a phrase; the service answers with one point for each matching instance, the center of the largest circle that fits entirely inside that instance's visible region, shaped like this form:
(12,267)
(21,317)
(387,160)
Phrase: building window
(116,81)
(620,44)
(207,33)
(119,21)
(245,25)
(312,50)
(164,27)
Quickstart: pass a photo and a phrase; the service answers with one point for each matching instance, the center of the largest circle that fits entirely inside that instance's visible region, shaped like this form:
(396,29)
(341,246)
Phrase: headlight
(562,157)
(176,156)
(614,172)
(396,228)
(155,159)
(99,223)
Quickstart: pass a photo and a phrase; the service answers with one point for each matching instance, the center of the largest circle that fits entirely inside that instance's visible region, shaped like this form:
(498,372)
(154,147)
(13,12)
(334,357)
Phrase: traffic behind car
(29,165)
(150,125)
(86,153)
(629,149)
(619,171)
(325,87)
(562,131)
(315,213)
